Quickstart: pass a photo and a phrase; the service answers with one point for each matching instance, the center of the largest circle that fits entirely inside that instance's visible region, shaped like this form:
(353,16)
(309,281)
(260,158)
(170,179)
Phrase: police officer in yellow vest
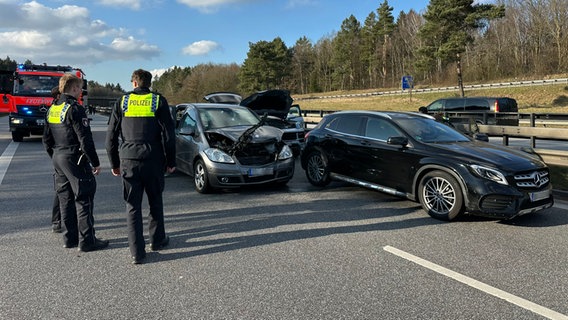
(143,121)
(69,142)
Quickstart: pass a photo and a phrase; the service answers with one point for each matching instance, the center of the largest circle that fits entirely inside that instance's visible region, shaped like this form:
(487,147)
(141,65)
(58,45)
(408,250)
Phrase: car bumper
(27,124)
(224,175)
(506,202)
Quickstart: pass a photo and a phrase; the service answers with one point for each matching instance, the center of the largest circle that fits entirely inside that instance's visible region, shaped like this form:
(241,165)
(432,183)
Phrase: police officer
(55,211)
(68,140)
(143,121)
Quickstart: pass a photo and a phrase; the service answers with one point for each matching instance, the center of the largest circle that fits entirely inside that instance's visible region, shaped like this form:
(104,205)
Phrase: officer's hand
(96,170)
(171,169)
(115,172)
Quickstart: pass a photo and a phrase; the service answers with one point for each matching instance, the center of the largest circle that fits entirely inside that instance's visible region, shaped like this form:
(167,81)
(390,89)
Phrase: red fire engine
(26,95)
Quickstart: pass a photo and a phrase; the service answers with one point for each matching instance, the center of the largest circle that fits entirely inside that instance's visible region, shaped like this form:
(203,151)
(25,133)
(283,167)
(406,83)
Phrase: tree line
(511,39)
(451,42)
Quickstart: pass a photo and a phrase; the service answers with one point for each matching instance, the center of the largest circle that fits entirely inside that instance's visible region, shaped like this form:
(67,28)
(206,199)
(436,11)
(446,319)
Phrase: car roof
(205,105)
(386,114)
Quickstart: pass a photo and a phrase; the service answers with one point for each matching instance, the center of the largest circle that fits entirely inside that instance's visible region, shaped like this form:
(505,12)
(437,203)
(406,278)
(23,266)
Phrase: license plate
(255,172)
(40,122)
(536,196)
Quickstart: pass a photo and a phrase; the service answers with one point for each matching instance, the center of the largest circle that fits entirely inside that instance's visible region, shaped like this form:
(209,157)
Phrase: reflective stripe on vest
(57,113)
(136,105)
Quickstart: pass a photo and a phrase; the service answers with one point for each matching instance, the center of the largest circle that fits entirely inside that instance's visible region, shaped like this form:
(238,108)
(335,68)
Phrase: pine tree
(448,30)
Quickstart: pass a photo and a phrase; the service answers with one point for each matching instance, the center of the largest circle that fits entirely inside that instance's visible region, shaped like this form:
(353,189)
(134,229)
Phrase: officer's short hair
(67,81)
(143,77)
(55,92)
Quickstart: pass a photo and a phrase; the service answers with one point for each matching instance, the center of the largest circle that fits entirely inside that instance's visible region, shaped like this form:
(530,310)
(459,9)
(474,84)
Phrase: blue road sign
(407,82)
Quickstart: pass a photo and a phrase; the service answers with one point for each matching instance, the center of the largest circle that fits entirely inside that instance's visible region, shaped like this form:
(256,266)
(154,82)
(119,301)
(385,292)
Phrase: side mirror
(294,111)
(481,137)
(400,141)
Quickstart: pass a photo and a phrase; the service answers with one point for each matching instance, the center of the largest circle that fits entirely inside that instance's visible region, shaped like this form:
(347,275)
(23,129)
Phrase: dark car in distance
(411,155)
(227,146)
(479,110)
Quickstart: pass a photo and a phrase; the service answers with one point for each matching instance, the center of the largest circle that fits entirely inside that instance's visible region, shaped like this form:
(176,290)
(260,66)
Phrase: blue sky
(109,39)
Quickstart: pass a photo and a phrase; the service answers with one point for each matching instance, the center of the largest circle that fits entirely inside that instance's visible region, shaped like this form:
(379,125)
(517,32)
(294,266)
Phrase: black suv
(481,110)
(411,155)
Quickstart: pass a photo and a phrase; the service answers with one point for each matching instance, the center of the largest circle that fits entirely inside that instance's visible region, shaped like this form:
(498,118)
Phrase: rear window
(507,105)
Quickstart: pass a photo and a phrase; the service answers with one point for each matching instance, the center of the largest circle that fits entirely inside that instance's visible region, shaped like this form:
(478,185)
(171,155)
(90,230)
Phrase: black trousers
(139,176)
(75,186)
(56,211)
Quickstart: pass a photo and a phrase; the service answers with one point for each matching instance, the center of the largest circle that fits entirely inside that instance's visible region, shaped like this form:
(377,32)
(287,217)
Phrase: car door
(382,163)
(187,141)
(341,143)
(6,88)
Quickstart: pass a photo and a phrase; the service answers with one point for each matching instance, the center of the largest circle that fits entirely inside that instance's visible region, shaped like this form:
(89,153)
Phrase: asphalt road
(296,252)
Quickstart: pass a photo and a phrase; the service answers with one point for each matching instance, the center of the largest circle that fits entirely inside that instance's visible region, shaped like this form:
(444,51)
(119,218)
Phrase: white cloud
(160,72)
(133,4)
(65,35)
(200,48)
(300,3)
(209,6)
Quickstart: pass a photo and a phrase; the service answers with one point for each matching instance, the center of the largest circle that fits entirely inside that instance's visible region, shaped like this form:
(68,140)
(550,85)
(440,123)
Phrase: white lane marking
(6,158)
(545,312)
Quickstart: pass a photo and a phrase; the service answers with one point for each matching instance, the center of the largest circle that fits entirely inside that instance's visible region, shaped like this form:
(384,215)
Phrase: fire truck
(26,96)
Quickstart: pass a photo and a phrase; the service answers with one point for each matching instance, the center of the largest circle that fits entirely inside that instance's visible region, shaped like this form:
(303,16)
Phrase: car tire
(317,170)
(201,177)
(440,195)
(17,137)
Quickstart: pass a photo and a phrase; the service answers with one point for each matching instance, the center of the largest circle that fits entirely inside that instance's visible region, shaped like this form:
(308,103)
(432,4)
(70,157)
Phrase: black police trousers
(75,186)
(139,176)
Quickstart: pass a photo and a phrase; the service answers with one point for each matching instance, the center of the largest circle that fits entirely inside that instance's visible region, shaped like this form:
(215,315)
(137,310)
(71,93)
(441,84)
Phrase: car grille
(37,111)
(496,202)
(287,136)
(532,180)
(257,154)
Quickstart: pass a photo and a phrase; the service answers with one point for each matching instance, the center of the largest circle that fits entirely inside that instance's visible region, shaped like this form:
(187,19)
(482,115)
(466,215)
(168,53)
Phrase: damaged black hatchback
(225,146)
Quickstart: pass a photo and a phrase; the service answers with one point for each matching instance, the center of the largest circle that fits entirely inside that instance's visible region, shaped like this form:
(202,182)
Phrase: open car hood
(274,102)
(223,97)
(261,134)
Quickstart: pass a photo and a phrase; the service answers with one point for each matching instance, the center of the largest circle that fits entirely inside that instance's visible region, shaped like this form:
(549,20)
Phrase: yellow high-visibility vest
(136,105)
(57,113)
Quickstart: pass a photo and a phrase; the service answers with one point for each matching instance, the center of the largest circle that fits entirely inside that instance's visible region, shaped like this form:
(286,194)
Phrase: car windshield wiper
(245,138)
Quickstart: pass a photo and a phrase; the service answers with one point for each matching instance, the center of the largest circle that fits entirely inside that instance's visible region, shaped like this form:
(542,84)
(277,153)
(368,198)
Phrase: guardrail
(443,89)
(532,132)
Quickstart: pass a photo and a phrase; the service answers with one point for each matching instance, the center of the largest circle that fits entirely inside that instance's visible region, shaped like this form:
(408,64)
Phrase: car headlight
(17,120)
(489,174)
(217,155)
(285,153)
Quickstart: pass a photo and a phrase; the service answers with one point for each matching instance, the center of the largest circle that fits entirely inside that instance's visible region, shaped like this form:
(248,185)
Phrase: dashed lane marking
(6,158)
(523,303)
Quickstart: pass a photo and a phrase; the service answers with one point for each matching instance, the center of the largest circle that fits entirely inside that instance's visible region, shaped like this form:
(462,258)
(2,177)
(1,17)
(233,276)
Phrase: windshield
(215,118)
(430,131)
(35,85)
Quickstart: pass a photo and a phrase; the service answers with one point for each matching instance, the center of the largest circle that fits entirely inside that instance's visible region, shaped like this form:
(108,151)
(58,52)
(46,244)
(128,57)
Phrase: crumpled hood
(274,102)
(261,134)
(502,157)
